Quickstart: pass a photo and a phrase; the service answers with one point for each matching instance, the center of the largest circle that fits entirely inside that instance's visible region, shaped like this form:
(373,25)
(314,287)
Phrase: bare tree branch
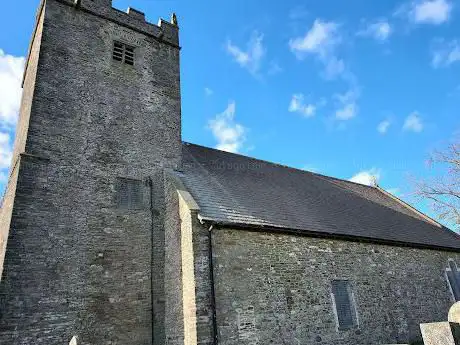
(443,191)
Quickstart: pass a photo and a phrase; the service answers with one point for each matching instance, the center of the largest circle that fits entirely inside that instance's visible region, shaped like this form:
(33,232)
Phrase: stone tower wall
(77,262)
(21,132)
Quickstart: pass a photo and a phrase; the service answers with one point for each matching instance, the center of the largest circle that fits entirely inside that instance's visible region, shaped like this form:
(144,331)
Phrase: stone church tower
(81,228)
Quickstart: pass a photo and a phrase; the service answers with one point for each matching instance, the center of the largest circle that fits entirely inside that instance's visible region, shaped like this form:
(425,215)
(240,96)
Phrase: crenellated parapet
(134,19)
(170,31)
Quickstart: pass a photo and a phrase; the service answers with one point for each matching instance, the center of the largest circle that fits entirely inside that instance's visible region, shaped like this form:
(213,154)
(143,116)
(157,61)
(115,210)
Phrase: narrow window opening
(453,279)
(343,299)
(123,53)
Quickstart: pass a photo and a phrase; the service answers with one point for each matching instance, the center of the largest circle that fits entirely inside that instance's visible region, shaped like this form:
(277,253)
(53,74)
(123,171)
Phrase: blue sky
(345,88)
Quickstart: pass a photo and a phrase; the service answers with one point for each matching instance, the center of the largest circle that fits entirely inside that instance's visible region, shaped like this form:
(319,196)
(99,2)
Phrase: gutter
(321,234)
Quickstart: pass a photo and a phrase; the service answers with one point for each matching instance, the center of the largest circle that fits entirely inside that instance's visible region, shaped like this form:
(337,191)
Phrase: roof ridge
(399,201)
(429,219)
(357,194)
(410,207)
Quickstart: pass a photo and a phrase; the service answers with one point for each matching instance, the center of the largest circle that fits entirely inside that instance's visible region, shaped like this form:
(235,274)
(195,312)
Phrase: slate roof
(235,190)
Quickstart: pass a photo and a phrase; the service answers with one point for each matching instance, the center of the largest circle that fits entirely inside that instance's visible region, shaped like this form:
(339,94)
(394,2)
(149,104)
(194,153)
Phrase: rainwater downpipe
(152,215)
(213,291)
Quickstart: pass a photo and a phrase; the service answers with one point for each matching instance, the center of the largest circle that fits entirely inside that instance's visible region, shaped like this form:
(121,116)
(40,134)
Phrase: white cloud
(348,107)
(251,57)
(208,91)
(320,41)
(11,70)
(413,123)
(431,11)
(379,30)
(383,126)
(230,135)
(427,11)
(3,177)
(347,112)
(367,177)
(6,150)
(298,105)
(445,53)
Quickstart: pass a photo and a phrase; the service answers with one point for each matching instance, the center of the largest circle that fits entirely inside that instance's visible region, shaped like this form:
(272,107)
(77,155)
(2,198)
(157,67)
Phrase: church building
(113,231)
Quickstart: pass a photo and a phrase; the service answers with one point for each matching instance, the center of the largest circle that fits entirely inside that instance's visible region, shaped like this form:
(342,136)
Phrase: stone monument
(454,313)
(443,333)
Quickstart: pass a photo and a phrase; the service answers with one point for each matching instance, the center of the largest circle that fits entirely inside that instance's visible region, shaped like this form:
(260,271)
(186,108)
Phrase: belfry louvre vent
(123,53)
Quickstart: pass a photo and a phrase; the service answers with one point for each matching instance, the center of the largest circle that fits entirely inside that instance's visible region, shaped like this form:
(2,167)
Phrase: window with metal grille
(344,304)
(123,53)
(453,278)
(129,194)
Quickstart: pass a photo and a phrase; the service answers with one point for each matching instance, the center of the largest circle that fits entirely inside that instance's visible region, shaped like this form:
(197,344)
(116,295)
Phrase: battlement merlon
(132,19)
(164,31)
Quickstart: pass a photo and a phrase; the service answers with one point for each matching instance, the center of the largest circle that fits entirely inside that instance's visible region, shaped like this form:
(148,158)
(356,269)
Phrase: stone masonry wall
(196,285)
(276,289)
(174,317)
(189,259)
(187,279)
(21,135)
(76,263)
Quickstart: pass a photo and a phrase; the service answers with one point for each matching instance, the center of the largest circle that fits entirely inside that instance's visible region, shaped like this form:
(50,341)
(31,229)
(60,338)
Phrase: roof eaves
(217,223)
